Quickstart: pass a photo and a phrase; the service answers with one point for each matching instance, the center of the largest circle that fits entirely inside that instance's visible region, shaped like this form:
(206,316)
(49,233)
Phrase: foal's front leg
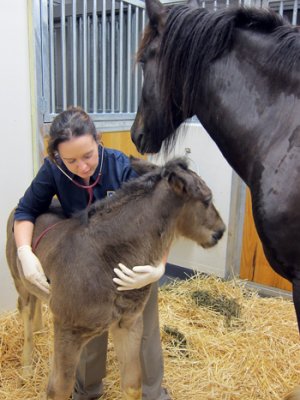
(67,348)
(127,343)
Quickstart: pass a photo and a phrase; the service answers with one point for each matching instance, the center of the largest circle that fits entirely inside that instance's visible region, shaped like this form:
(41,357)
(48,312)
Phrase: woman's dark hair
(73,122)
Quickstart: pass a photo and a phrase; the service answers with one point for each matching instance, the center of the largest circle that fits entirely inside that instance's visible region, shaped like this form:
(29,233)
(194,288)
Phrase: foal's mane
(132,189)
(193,38)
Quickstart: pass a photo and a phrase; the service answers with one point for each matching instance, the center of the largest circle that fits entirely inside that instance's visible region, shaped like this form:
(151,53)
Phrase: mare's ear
(140,166)
(155,11)
(194,3)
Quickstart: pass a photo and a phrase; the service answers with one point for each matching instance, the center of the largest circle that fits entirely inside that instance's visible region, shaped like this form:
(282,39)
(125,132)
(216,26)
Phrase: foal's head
(198,218)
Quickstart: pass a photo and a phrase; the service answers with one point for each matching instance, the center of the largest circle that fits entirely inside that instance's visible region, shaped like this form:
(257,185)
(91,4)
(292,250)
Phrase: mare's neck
(244,111)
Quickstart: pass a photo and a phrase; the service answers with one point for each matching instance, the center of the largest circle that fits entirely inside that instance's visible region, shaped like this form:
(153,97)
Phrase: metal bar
(281,8)
(143,19)
(103,56)
(112,77)
(135,98)
(136,3)
(74,53)
(63,55)
(121,56)
(84,20)
(295,11)
(80,58)
(51,44)
(129,11)
(95,25)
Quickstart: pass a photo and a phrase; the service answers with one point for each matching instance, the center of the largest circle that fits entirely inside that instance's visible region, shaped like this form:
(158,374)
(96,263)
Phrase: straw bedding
(220,342)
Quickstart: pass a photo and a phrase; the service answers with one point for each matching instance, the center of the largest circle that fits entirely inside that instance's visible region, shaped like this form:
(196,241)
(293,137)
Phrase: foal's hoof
(26,374)
(132,394)
(294,394)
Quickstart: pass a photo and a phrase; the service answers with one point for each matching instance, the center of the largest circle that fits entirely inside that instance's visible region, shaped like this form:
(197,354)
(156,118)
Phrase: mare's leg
(127,343)
(295,394)
(67,348)
(296,299)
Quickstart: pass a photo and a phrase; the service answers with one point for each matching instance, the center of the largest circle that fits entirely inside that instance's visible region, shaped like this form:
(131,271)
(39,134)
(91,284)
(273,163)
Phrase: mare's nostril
(217,235)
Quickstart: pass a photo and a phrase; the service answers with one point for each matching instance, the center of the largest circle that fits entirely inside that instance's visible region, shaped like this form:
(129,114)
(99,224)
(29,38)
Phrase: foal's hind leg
(37,317)
(26,306)
(127,343)
(67,348)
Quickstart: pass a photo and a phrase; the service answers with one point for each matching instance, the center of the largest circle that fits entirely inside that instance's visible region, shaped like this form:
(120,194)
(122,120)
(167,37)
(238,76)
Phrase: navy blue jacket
(50,181)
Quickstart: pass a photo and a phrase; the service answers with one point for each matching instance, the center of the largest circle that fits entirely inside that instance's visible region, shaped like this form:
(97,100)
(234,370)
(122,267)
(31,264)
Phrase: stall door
(254,266)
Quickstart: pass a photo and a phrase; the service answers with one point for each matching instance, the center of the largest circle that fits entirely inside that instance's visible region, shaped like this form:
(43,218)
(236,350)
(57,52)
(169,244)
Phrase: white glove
(32,268)
(138,277)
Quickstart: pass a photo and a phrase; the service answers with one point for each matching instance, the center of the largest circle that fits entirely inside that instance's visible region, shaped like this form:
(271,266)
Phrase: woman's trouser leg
(91,369)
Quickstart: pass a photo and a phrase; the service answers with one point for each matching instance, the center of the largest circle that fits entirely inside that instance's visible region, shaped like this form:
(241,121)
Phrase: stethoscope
(89,188)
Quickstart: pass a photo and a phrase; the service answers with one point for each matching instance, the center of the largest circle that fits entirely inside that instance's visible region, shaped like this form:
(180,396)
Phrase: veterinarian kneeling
(79,171)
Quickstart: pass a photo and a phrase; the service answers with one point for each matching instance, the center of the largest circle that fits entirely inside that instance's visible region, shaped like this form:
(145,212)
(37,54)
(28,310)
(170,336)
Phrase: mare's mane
(193,38)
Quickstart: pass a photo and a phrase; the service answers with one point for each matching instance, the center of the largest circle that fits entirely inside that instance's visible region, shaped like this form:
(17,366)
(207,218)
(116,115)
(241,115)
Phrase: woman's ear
(98,138)
(57,158)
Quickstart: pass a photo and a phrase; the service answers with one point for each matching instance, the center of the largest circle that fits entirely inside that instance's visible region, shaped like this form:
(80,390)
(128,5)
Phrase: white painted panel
(209,163)
(16,144)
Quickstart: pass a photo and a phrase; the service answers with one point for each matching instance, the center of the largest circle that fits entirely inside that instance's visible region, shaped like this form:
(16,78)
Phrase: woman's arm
(23,231)
(31,266)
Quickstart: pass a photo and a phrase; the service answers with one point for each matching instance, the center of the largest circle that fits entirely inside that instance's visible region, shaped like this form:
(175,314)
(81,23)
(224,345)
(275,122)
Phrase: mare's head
(180,48)
(198,218)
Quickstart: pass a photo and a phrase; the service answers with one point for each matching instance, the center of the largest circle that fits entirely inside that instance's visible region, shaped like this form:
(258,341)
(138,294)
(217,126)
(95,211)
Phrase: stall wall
(16,169)
(205,159)
(16,161)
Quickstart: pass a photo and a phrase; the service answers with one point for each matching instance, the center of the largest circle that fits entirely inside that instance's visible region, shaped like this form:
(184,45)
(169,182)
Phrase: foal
(136,226)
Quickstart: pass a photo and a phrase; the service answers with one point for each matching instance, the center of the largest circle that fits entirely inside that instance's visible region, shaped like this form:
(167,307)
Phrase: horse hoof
(132,394)
(294,394)
(26,374)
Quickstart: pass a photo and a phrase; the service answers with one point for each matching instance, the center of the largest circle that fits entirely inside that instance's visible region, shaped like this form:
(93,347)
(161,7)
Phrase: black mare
(238,70)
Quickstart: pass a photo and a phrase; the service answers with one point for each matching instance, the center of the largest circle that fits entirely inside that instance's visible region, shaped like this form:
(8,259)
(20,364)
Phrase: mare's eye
(142,63)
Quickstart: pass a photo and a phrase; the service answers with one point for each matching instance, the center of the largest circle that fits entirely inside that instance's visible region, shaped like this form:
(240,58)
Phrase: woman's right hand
(32,268)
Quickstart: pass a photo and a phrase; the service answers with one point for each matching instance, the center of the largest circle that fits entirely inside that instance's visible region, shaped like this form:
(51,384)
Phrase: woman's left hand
(139,276)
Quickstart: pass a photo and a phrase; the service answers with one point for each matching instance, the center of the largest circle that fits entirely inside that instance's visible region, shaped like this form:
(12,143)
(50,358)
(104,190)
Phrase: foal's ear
(155,11)
(140,166)
(177,182)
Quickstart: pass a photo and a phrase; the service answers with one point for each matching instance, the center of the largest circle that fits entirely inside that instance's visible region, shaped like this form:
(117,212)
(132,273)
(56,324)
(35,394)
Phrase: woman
(78,170)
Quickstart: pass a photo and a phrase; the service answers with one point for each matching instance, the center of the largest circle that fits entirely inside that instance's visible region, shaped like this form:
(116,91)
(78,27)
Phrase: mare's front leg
(296,299)
(67,348)
(295,394)
(127,337)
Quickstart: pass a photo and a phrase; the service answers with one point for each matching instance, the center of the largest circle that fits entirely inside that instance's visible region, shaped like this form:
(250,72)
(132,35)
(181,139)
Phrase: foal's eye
(207,201)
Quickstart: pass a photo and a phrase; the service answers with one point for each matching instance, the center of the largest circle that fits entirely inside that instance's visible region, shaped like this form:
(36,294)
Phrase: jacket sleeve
(38,196)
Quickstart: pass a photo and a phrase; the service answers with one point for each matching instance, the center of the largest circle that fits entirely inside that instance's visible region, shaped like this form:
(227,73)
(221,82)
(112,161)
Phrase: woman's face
(80,155)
